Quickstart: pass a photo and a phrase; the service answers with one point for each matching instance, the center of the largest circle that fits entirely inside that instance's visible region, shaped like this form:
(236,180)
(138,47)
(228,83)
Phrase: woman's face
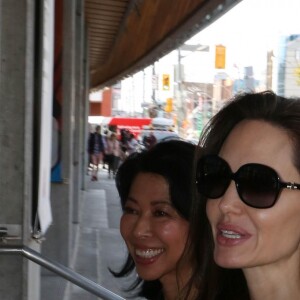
(154,232)
(244,236)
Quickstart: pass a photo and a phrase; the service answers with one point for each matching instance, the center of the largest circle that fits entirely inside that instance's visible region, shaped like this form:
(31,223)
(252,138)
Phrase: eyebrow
(162,202)
(155,202)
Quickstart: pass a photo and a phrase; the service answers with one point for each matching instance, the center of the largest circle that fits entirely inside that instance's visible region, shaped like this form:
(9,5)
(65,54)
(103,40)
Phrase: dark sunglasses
(257,185)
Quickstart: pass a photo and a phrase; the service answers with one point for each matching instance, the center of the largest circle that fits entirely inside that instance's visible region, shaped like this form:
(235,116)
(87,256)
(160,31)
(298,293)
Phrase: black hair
(174,161)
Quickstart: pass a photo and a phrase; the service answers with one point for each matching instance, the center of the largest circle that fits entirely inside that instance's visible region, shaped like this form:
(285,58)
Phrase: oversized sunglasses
(257,185)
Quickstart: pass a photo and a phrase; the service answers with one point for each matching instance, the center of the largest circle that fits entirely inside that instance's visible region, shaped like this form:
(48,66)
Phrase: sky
(249,30)
(255,18)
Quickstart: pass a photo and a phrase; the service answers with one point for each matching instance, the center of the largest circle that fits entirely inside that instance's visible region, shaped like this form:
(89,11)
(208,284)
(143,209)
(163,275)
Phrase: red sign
(134,125)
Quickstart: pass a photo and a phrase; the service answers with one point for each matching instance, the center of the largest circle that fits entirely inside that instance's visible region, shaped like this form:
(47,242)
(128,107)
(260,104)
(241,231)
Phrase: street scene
(192,106)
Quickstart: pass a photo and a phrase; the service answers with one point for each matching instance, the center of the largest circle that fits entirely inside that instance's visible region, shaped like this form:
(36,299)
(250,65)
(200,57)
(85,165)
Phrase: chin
(148,277)
(228,262)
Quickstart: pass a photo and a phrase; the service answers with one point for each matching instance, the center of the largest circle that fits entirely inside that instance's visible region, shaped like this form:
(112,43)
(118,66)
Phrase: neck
(274,282)
(170,294)
(175,284)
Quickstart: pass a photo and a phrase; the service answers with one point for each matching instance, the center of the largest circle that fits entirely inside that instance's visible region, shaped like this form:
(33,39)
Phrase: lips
(148,253)
(147,256)
(231,235)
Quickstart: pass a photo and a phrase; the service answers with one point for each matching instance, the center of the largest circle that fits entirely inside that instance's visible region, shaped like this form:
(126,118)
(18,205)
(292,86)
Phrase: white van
(162,128)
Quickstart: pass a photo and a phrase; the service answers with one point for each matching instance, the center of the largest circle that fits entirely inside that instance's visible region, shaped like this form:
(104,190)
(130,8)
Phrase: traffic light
(169,105)
(166,82)
(220,59)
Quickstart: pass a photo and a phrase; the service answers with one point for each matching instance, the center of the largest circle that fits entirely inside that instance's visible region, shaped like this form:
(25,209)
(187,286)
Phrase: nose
(142,227)
(230,202)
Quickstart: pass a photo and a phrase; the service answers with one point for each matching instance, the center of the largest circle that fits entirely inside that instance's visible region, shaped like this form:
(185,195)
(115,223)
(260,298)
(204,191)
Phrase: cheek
(174,232)
(270,223)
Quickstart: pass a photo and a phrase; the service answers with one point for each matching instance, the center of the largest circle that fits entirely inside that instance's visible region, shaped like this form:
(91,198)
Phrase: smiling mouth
(149,253)
(230,234)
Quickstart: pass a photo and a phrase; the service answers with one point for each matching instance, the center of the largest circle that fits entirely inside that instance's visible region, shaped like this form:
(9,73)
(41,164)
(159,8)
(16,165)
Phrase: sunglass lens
(257,185)
(213,176)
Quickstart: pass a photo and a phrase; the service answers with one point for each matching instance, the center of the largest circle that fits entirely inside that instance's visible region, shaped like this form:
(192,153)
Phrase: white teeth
(149,253)
(230,234)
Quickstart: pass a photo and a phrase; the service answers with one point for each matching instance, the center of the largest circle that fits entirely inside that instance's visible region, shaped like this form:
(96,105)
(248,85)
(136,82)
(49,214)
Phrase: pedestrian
(248,178)
(155,192)
(105,137)
(150,140)
(113,150)
(124,136)
(132,144)
(96,151)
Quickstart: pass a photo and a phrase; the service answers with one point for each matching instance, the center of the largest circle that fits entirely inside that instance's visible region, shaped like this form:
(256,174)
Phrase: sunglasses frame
(234,176)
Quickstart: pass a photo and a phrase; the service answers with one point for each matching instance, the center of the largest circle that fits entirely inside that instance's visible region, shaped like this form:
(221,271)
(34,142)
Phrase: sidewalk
(99,243)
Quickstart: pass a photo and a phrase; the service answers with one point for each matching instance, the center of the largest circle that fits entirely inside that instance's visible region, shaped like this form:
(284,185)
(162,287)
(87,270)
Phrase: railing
(63,271)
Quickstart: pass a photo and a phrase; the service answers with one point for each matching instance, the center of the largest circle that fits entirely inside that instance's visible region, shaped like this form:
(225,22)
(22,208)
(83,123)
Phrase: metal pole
(63,271)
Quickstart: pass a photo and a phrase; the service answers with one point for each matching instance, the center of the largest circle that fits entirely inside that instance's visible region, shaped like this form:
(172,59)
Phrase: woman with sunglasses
(248,179)
(156,195)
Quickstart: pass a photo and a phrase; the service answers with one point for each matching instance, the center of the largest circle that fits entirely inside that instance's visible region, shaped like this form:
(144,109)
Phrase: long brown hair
(215,282)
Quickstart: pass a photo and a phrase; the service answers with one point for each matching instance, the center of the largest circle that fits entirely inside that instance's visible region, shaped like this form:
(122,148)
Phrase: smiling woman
(248,176)
(154,231)
(155,191)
